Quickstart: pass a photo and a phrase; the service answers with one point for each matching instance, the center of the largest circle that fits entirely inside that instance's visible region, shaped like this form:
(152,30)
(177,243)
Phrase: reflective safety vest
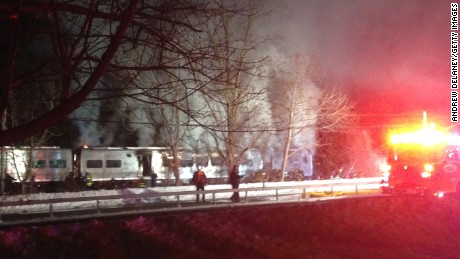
(141,184)
(89,180)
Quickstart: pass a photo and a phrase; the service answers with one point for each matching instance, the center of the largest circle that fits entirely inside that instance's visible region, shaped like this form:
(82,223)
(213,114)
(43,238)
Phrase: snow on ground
(373,227)
(102,198)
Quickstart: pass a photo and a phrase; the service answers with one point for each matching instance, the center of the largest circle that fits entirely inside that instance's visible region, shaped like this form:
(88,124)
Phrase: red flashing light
(13,16)
(424,136)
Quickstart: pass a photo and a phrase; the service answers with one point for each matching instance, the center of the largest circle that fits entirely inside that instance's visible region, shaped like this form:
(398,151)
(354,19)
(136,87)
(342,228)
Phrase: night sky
(392,58)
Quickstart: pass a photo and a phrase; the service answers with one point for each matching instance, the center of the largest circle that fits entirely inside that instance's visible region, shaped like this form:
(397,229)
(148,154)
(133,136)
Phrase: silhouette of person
(234,179)
(199,179)
(153,179)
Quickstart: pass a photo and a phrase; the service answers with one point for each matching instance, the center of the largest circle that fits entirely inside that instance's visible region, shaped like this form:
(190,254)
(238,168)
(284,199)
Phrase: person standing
(69,182)
(9,184)
(89,181)
(112,184)
(199,179)
(234,179)
(153,179)
(141,183)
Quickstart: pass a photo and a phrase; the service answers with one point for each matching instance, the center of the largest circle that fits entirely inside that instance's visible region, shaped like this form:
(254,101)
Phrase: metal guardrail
(23,211)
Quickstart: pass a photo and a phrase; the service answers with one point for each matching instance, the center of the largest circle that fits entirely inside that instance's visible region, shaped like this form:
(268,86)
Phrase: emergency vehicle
(424,161)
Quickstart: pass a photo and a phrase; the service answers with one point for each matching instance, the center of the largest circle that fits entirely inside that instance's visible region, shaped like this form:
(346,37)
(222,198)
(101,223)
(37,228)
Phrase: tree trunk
(289,132)
(61,111)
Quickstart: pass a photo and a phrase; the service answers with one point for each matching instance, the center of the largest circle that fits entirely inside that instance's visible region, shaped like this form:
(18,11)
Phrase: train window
(94,163)
(60,163)
(113,163)
(39,164)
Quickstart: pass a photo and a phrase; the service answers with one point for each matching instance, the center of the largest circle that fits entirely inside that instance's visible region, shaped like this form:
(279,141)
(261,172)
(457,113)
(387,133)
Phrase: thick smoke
(390,56)
(148,121)
(380,52)
(86,119)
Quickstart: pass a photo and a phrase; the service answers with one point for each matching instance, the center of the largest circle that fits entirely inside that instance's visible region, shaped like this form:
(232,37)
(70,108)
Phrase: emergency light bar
(424,136)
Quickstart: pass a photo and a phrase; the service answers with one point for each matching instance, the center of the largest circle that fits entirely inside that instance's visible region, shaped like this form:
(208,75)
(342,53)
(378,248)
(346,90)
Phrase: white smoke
(87,117)
(145,119)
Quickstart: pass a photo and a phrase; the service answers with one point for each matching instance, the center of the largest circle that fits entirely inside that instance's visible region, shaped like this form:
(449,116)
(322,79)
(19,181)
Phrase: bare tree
(20,109)
(73,51)
(86,45)
(234,107)
(97,50)
(171,125)
(217,105)
(302,107)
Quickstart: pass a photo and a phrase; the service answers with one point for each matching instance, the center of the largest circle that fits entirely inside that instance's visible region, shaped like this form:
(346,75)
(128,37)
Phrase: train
(126,165)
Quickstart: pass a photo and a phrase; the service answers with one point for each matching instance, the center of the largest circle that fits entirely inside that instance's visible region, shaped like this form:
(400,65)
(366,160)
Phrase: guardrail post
(97,207)
(356,189)
(213,198)
(51,210)
(246,196)
(276,194)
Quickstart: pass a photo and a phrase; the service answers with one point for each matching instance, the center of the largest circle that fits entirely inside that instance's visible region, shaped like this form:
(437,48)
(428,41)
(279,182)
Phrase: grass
(379,227)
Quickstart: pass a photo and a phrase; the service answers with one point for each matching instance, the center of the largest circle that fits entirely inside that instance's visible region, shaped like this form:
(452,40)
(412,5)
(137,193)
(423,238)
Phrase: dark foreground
(393,227)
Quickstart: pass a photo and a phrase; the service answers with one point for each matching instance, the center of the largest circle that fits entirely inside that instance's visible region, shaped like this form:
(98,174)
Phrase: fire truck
(423,161)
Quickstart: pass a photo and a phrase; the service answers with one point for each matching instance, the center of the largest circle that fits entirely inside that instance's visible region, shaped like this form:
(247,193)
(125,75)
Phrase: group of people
(78,182)
(199,179)
(75,181)
(153,181)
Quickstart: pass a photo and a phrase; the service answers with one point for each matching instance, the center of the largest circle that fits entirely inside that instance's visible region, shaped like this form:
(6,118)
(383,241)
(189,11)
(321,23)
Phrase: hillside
(388,227)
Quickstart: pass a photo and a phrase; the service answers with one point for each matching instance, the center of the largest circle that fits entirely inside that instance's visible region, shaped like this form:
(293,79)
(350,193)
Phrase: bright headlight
(428,167)
(426,174)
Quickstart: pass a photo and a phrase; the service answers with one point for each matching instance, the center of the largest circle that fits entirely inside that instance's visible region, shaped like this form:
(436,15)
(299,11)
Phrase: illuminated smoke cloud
(86,119)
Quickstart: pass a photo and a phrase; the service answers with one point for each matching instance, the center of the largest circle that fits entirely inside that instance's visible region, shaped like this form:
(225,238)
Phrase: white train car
(127,165)
(134,163)
(105,164)
(47,164)
(160,160)
(210,162)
